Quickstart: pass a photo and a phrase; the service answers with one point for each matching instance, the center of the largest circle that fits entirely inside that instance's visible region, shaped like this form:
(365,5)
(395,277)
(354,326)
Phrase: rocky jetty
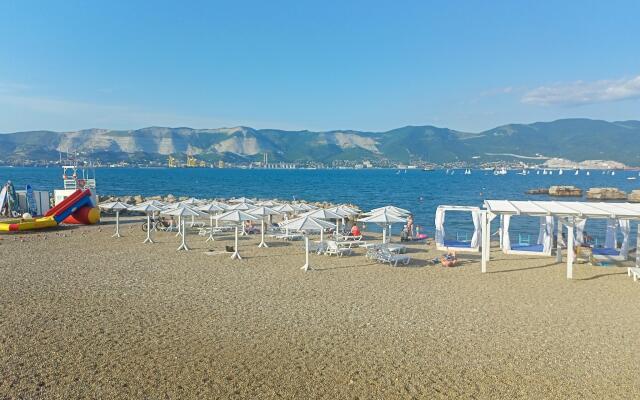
(634,196)
(538,191)
(565,191)
(606,193)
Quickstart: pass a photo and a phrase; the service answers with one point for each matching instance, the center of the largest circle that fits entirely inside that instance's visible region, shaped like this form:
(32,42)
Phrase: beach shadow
(524,269)
(602,276)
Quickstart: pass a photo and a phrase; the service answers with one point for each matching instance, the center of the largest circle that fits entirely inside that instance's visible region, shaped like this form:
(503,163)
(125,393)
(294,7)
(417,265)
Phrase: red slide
(75,196)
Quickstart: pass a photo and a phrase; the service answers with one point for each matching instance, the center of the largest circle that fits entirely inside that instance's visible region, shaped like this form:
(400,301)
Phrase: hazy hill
(574,139)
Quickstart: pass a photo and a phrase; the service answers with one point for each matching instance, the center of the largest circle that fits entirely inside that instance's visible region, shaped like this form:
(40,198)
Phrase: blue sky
(323,65)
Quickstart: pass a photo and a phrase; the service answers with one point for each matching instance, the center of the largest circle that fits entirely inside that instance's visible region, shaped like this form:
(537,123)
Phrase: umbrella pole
(148,239)
(193,220)
(210,238)
(321,233)
(262,243)
(180,226)
(337,228)
(235,247)
(384,235)
(306,265)
(117,234)
(183,245)
(153,214)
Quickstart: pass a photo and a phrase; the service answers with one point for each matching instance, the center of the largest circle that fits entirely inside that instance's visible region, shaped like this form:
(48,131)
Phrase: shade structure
(148,209)
(190,202)
(237,217)
(268,203)
(285,208)
(241,200)
(263,212)
(242,206)
(324,214)
(384,218)
(117,207)
(156,203)
(393,209)
(211,209)
(307,223)
(181,213)
(342,213)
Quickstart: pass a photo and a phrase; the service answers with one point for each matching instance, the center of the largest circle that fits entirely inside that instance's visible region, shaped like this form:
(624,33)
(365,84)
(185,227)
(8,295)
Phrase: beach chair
(634,272)
(334,249)
(385,256)
(395,248)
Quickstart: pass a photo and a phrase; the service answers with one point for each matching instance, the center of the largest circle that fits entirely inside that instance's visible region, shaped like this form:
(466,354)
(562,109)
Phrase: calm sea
(416,190)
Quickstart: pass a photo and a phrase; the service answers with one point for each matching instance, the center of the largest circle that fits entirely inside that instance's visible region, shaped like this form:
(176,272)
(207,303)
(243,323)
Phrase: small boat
(631,178)
(613,173)
(560,172)
(588,173)
(577,172)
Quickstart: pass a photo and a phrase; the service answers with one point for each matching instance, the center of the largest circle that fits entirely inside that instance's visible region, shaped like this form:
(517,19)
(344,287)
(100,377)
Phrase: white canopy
(307,223)
(114,206)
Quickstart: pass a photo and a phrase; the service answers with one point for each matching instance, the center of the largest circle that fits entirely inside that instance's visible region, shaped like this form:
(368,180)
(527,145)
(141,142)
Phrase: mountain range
(573,139)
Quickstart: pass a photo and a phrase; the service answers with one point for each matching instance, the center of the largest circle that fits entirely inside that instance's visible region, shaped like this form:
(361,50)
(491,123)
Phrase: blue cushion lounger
(606,251)
(537,248)
(457,243)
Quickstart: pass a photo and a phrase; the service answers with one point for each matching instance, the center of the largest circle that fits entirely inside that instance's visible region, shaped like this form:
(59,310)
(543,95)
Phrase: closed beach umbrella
(211,209)
(147,209)
(182,212)
(117,207)
(237,217)
(384,219)
(263,212)
(307,223)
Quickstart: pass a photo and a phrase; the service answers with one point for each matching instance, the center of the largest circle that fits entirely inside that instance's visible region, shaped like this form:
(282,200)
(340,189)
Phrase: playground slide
(54,216)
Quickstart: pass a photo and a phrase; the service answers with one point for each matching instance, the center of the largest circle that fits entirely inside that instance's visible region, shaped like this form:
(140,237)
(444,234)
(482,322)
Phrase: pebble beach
(85,315)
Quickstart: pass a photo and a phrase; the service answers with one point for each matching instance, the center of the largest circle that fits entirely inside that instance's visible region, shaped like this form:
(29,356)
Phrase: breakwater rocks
(607,193)
(604,193)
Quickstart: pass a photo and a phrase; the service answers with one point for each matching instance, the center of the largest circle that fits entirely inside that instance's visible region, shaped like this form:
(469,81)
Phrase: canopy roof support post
(486,240)
(559,242)
(570,254)
(638,247)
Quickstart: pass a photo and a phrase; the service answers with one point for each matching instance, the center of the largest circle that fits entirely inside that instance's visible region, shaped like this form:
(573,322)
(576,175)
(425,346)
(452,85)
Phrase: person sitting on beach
(449,260)
(355,231)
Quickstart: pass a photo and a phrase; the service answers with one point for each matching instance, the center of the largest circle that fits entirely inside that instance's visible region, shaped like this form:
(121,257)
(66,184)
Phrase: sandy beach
(84,315)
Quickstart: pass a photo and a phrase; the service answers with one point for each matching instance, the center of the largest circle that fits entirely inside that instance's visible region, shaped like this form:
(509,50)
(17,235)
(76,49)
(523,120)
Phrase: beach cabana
(543,245)
(566,214)
(471,245)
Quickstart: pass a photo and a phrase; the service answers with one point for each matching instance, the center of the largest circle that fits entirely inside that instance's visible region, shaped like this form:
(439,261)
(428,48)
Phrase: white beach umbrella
(182,212)
(393,209)
(263,212)
(156,203)
(211,209)
(148,209)
(307,223)
(342,213)
(384,219)
(192,201)
(285,209)
(241,200)
(242,206)
(325,214)
(117,207)
(238,217)
(268,203)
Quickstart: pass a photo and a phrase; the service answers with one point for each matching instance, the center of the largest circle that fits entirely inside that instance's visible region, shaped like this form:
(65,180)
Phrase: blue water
(416,190)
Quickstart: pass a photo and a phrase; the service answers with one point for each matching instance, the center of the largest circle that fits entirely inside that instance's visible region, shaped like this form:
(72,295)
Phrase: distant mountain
(574,139)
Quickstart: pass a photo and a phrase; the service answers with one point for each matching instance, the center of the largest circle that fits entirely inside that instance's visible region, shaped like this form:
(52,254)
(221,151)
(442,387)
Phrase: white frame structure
(566,214)
(441,211)
(547,236)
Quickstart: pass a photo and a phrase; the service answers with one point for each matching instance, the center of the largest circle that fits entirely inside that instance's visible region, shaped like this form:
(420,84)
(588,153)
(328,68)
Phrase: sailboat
(560,172)
(613,173)
(588,173)
(577,172)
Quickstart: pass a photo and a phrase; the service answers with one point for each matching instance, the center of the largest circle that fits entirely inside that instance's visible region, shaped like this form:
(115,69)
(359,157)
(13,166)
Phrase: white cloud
(581,92)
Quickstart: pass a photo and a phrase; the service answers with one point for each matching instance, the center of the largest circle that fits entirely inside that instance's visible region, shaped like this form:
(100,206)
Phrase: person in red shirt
(355,231)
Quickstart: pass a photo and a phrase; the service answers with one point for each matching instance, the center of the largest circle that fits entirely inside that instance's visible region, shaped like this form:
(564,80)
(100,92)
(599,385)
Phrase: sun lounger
(334,249)
(395,248)
(635,272)
(385,256)
(290,236)
(599,254)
